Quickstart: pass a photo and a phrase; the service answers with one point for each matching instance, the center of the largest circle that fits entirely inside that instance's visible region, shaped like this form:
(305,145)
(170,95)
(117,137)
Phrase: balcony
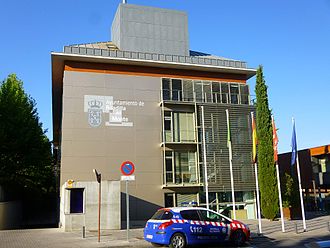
(182,97)
(181,179)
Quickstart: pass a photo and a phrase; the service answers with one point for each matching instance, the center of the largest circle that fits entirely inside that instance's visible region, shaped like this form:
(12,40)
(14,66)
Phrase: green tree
(267,172)
(290,192)
(25,151)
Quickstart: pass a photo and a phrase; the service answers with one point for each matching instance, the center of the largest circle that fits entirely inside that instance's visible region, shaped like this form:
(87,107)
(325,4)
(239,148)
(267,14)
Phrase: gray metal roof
(109,49)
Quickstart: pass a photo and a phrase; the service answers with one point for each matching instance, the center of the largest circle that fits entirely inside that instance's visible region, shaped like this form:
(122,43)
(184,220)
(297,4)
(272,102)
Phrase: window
(169,200)
(185,167)
(169,166)
(224,93)
(162,215)
(216,92)
(244,89)
(76,200)
(188,90)
(234,91)
(211,216)
(168,126)
(183,127)
(176,90)
(190,215)
(166,89)
(179,126)
(180,167)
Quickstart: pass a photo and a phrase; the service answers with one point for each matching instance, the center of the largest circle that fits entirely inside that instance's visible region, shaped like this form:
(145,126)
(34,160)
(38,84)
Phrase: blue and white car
(181,226)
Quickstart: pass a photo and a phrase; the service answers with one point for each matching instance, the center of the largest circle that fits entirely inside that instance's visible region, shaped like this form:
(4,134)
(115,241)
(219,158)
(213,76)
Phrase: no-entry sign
(127,168)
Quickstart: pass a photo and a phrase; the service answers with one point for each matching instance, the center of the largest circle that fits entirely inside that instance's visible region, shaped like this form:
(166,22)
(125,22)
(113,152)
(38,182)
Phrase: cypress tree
(266,164)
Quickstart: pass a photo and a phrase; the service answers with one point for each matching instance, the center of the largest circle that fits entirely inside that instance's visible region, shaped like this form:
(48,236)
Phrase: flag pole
(256,172)
(280,195)
(204,158)
(275,142)
(258,197)
(231,165)
(300,189)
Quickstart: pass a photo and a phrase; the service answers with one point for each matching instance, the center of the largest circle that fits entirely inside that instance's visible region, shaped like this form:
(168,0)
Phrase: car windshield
(162,215)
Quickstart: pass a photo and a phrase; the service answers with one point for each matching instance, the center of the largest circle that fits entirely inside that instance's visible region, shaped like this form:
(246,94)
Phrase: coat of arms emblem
(95,113)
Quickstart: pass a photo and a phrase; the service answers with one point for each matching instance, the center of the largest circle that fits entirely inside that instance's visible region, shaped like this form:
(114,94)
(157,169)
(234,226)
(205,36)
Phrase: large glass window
(205,91)
(180,167)
(185,167)
(179,127)
(183,127)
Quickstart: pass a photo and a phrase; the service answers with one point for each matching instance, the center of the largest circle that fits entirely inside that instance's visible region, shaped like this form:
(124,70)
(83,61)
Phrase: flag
(275,140)
(293,145)
(254,140)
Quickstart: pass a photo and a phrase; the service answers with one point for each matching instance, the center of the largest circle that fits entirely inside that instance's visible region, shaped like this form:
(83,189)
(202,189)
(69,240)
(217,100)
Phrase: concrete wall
(106,120)
(10,215)
(147,29)
(110,206)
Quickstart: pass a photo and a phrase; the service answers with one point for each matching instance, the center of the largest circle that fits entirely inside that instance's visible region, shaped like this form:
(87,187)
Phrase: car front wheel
(238,238)
(178,241)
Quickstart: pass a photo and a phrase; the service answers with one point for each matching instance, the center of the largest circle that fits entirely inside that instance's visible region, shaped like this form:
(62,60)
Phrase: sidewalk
(317,229)
(294,236)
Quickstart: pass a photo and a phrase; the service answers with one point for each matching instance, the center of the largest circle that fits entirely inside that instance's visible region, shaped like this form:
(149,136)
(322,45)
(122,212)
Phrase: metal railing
(184,136)
(225,98)
(179,178)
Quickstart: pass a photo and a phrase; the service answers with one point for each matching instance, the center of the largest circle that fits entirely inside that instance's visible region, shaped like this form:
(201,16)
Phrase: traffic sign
(127,168)
(128,178)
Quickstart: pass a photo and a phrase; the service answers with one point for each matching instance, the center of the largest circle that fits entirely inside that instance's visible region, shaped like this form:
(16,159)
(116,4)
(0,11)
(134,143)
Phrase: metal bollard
(296,227)
(84,232)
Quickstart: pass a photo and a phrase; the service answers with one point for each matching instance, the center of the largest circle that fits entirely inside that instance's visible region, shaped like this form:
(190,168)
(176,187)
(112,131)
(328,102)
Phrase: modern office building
(144,97)
(315,175)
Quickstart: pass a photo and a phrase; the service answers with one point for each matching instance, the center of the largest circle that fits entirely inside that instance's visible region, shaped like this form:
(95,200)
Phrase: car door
(216,226)
(193,228)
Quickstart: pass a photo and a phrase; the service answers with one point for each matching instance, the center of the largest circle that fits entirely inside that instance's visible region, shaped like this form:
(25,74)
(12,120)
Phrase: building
(315,175)
(139,98)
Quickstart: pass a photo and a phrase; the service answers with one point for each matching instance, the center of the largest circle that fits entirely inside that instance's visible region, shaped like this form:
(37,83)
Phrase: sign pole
(99,225)
(127,211)
(98,179)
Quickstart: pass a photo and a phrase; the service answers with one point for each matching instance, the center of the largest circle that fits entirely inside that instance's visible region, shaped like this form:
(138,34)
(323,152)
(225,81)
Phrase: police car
(181,226)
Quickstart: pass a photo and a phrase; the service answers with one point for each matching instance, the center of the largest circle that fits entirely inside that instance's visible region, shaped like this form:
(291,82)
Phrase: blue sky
(291,39)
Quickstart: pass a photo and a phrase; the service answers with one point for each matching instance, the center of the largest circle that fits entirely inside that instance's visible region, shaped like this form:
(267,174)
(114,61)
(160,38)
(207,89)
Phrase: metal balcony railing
(209,97)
